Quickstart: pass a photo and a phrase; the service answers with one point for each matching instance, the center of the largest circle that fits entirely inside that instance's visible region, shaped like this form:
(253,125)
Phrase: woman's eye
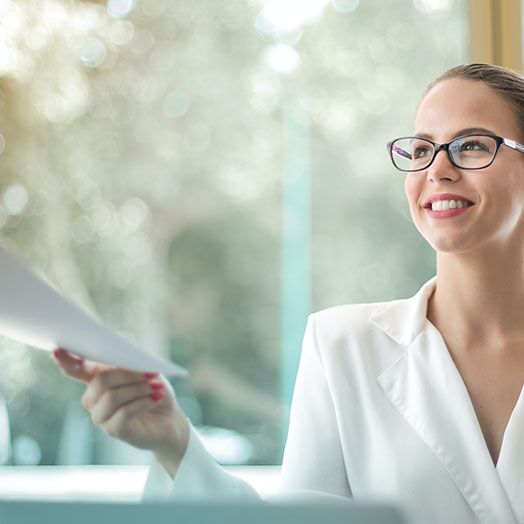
(422,151)
(473,146)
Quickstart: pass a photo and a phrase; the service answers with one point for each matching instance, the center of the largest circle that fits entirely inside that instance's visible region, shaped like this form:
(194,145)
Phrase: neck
(479,300)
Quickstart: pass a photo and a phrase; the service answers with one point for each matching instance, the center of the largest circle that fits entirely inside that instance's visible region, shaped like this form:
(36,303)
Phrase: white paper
(34,313)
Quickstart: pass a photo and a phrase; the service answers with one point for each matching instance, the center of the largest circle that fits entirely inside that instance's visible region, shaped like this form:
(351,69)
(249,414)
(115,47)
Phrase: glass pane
(203,175)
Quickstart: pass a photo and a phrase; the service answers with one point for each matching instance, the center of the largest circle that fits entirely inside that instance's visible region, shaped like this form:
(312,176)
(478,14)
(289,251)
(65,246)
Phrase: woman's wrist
(173,448)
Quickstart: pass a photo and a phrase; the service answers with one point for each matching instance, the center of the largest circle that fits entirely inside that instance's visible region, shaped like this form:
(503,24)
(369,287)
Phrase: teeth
(443,205)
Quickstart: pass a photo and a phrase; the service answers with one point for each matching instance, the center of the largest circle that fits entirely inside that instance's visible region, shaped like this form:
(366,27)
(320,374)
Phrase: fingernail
(156,385)
(56,352)
(150,375)
(157,395)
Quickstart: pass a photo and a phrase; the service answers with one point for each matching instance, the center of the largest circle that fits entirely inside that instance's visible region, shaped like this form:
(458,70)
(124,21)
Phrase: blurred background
(202,175)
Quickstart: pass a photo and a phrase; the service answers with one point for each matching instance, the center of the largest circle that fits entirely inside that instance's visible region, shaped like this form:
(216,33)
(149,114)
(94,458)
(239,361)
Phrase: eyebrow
(465,131)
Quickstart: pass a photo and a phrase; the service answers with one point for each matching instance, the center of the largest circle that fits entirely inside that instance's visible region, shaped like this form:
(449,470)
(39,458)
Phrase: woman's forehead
(457,104)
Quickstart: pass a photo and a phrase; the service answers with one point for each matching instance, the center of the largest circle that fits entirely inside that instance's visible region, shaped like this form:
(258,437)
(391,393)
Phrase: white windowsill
(98,483)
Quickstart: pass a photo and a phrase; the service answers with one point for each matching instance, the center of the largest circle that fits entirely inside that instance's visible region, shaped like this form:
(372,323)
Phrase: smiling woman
(480,255)
(394,400)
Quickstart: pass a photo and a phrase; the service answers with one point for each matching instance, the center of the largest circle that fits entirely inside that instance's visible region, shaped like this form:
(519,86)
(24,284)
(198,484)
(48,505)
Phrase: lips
(448,213)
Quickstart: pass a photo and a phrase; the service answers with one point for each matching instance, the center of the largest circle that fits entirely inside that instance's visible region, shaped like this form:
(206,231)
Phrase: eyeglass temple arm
(405,154)
(514,145)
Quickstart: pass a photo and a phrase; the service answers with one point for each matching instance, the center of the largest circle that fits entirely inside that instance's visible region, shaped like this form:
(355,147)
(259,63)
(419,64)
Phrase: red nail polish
(150,375)
(156,385)
(157,395)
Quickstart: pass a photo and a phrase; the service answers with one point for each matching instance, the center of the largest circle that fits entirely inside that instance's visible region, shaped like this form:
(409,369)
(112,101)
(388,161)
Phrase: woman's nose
(441,167)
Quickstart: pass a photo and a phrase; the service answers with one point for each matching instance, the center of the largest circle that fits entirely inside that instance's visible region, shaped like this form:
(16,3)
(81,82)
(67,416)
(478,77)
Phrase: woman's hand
(138,408)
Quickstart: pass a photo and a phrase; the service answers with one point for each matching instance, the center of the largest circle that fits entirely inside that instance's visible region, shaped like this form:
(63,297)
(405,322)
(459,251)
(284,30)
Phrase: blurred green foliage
(141,158)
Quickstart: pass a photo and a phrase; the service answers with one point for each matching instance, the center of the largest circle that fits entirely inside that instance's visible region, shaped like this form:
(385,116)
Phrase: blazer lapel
(426,388)
(510,465)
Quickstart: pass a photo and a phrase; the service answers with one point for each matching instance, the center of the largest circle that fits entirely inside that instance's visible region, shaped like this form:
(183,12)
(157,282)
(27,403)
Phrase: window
(203,175)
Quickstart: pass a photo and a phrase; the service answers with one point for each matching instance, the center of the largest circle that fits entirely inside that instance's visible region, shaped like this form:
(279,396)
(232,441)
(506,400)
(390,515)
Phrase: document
(34,313)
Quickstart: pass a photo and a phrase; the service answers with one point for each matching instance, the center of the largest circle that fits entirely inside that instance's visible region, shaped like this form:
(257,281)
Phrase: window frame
(495,32)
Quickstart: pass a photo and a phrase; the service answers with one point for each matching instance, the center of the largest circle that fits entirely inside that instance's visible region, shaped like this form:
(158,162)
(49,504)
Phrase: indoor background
(201,176)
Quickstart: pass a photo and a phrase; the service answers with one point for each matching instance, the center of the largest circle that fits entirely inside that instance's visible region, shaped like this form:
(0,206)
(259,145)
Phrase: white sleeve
(199,476)
(313,457)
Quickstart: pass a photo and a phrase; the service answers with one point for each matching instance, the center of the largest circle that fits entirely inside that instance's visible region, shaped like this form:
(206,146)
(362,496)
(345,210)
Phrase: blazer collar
(426,388)
(404,319)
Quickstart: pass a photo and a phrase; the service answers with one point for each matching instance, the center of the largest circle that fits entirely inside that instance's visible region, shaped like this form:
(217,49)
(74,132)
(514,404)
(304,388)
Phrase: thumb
(76,367)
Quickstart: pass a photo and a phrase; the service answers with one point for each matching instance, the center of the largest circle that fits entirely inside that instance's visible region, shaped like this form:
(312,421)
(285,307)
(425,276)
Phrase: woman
(415,401)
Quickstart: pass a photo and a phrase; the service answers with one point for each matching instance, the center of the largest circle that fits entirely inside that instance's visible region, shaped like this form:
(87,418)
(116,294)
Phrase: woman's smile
(446,205)
(449,212)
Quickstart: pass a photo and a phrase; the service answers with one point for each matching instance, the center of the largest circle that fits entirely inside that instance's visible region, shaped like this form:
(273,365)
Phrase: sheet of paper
(34,313)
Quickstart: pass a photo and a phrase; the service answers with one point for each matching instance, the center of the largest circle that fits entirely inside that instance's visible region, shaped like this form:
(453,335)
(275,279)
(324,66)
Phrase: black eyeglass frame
(437,147)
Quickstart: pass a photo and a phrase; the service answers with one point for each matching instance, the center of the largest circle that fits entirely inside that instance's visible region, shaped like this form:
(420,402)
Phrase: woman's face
(497,218)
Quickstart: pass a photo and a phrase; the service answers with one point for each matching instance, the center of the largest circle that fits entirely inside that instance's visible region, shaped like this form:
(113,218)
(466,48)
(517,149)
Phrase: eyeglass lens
(471,152)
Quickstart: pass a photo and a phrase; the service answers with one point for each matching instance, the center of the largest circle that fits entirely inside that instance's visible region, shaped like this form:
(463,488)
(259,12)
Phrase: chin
(448,244)
(443,242)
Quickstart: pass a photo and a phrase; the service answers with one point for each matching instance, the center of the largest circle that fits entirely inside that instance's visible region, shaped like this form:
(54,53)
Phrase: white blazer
(380,412)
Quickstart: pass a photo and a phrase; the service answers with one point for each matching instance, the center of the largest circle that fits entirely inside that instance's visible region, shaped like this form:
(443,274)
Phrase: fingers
(75,367)
(119,400)
(118,426)
(110,379)
(122,399)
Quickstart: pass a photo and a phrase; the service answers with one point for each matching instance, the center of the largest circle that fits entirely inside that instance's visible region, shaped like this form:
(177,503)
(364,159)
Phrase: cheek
(513,187)
(412,190)
(506,182)
(511,196)
(506,191)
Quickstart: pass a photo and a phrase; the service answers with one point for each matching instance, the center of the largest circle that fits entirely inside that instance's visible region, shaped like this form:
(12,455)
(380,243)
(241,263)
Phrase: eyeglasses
(411,153)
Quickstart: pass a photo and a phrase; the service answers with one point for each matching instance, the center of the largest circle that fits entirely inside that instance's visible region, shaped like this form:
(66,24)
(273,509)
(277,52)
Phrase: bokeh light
(92,51)
(26,451)
(282,58)
(120,7)
(15,199)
